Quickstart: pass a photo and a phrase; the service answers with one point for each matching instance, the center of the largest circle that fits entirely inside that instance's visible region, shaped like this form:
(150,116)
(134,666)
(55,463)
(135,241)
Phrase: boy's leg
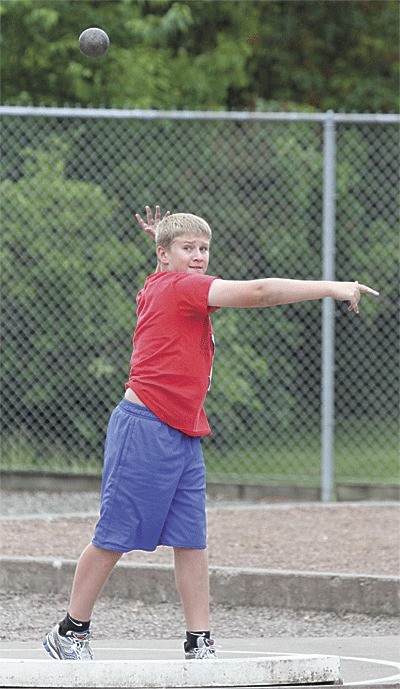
(70,639)
(92,571)
(192,581)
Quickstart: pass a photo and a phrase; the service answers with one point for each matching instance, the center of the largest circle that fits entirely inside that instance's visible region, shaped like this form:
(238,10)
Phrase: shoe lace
(207,650)
(81,645)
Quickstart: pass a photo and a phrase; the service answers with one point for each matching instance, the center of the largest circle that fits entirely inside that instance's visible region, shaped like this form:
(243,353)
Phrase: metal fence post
(328,312)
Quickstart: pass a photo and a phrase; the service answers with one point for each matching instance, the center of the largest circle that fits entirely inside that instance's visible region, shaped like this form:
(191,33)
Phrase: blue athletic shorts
(153,488)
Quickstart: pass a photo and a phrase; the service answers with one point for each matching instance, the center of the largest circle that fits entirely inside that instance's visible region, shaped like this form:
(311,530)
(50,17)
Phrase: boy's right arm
(277,291)
(151,225)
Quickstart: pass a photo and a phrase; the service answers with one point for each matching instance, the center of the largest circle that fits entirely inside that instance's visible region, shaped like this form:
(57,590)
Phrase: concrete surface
(232,672)
(246,586)
(366,663)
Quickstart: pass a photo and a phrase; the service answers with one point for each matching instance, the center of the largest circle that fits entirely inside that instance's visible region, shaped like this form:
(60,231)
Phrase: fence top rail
(113,113)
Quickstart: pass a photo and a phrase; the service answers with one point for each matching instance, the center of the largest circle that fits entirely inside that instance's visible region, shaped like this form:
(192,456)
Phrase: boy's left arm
(277,291)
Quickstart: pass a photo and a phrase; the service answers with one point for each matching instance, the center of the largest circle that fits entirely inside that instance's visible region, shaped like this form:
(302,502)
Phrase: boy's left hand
(151,225)
(351,292)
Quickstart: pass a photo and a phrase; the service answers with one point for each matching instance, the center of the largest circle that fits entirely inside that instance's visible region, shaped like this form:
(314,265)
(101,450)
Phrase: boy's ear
(162,255)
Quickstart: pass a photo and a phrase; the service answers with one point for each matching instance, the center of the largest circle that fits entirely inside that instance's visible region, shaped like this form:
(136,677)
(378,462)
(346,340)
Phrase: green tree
(68,313)
(367,204)
(197,54)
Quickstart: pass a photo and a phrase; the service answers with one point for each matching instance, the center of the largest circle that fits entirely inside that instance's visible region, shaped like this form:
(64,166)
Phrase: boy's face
(187,254)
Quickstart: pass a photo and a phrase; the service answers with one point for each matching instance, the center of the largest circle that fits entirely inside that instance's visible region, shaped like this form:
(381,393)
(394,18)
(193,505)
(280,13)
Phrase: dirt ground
(359,538)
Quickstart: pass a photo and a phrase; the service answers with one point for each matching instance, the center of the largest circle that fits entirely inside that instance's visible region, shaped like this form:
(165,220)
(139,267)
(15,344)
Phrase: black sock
(68,624)
(191,639)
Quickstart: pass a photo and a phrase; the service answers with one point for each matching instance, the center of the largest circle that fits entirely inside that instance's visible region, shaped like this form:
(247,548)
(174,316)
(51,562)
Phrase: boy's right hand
(151,225)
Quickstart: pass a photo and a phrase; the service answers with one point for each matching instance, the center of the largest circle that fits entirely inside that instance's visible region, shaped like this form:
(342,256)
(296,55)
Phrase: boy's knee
(189,550)
(106,554)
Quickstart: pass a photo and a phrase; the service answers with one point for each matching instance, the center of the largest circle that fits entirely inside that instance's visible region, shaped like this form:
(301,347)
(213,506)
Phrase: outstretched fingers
(149,215)
(150,224)
(157,215)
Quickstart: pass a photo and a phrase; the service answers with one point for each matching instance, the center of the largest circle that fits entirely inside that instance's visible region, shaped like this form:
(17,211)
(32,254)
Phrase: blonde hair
(178,225)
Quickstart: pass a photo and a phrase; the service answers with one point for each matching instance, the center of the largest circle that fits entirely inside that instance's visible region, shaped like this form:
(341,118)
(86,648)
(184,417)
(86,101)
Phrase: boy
(153,487)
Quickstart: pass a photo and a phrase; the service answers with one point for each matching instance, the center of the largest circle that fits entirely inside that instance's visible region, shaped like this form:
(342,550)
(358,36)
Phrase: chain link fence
(73,259)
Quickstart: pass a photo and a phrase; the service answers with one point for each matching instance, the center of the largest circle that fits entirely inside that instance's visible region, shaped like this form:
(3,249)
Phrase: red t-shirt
(173,349)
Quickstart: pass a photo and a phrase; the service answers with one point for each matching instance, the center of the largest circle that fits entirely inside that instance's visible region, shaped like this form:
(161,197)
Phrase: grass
(23,454)
(363,453)
(366,454)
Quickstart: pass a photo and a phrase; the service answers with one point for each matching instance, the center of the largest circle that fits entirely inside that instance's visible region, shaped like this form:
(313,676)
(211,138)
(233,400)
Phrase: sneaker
(205,650)
(73,646)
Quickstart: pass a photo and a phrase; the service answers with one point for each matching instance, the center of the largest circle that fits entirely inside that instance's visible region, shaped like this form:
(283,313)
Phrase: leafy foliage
(77,274)
(65,278)
(197,54)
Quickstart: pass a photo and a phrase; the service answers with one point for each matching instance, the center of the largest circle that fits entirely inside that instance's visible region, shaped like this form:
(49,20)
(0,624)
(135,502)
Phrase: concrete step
(232,672)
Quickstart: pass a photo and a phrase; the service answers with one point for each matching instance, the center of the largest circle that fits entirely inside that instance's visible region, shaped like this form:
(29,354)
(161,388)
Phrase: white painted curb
(279,670)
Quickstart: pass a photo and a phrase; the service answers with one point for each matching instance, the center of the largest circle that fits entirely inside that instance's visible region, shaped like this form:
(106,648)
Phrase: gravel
(26,618)
(20,503)
(341,537)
